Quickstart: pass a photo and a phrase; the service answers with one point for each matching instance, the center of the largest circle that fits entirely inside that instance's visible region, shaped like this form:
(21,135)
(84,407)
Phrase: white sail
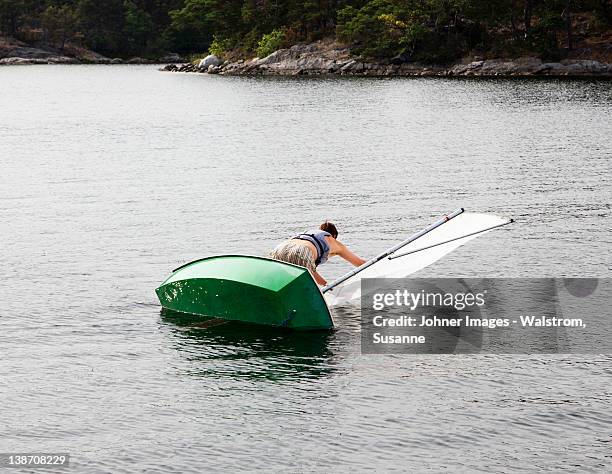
(462,225)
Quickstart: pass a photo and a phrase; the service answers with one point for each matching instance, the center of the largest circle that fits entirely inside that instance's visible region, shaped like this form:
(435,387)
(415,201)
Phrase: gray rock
(575,69)
(27,52)
(105,61)
(19,61)
(551,68)
(314,63)
(188,67)
(138,60)
(585,66)
(210,60)
(474,65)
(458,70)
(347,67)
(495,67)
(62,60)
(275,57)
(47,60)
(410,69)
(90,57)
(171,58)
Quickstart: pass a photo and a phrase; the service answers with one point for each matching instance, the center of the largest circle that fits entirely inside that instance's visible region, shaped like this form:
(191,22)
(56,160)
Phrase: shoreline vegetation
(345,37)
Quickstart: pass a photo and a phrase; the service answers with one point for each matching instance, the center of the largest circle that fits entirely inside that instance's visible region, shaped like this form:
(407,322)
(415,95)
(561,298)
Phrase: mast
(393,249)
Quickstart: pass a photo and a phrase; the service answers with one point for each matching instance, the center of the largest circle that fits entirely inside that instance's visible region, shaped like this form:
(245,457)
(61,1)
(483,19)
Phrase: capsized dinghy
(249,289)
(264,291)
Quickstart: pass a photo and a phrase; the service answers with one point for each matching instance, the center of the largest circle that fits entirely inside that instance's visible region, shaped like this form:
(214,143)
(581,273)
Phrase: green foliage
(138,28)
(270,43)
(603,11)
(190,28)
(428,30)
(60,24)
(544,36)
(102,25)
(12,15)
(219,47)
(420,30)
(372,29)
(440,31)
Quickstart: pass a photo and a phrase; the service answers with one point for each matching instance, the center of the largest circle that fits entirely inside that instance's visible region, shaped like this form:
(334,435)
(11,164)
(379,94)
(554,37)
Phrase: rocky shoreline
(314,59)
(15,52)
(332,59)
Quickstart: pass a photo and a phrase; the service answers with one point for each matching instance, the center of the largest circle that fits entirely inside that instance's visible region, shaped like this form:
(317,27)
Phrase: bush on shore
(269,43)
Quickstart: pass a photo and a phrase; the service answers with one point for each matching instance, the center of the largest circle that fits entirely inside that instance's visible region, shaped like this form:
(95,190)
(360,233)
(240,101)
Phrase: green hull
(249,289)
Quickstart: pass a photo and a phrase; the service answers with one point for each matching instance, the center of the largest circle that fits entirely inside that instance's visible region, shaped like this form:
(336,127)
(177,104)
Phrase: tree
(190,28)
(425,30)
(103,25)
(11,14)
(138,28)
(60,24)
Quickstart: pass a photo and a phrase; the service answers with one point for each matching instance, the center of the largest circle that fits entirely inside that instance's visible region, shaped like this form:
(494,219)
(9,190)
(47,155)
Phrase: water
(112,176)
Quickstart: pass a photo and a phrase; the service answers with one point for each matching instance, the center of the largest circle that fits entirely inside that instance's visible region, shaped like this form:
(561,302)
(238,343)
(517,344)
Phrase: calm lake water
(114,175)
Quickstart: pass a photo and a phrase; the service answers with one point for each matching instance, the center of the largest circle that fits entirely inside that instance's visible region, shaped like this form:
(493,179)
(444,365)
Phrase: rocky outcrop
(138,60)
(529,66)
(84,55)
(188,67)
(328,57)
(48,60)
(13,51)
(300,59)
(171,58)
(210,60)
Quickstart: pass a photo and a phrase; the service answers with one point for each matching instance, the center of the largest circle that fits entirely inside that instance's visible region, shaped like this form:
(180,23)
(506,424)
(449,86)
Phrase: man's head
(329,227)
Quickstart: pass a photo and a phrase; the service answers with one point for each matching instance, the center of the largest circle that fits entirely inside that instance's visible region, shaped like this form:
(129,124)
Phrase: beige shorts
(296,253)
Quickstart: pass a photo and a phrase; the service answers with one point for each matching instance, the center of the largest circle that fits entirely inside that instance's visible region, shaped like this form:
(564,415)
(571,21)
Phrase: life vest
(317,238)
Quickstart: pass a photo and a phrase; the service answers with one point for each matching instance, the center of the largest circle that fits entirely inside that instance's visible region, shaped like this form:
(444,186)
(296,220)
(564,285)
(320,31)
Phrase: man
(311,249)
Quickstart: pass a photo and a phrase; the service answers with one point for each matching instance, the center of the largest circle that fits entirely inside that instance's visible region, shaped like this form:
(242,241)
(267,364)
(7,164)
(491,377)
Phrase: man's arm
(319,279)
(349,256)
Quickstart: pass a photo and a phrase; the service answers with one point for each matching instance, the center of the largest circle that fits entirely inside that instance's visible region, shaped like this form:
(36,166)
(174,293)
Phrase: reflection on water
(236,349)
